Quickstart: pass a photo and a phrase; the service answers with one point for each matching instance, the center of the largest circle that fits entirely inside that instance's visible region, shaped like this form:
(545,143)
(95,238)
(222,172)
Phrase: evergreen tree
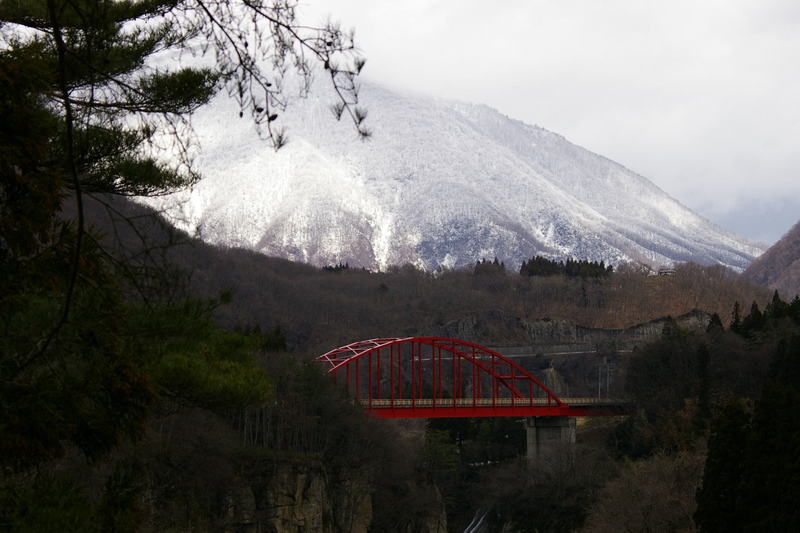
(752,476)
(776,308)
(489,267)
(772,482)
(794,309)
(704,387)
(753,322)
(715,324)
(736,318)
(88,338)
(541,266)
(719,503)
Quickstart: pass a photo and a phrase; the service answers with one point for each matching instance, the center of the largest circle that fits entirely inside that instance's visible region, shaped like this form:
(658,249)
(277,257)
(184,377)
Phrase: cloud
(703,98)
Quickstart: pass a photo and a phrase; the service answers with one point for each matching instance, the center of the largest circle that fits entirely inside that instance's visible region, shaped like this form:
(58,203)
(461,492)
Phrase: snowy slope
(439,183)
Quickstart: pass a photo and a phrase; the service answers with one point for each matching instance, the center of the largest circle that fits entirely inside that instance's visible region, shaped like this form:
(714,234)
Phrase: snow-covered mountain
(439,183)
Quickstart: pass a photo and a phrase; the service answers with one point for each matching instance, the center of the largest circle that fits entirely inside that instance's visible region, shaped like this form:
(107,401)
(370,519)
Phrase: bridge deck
(483,407)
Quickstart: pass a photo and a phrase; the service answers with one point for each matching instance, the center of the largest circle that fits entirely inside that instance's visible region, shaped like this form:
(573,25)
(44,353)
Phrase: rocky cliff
(548,336)
(306,498)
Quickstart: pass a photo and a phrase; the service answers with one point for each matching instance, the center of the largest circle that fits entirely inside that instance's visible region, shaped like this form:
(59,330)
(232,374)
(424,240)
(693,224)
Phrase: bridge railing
(438,377)
(484,402)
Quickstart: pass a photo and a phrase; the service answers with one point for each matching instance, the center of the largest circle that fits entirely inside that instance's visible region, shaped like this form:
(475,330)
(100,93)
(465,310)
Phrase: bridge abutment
(550,439)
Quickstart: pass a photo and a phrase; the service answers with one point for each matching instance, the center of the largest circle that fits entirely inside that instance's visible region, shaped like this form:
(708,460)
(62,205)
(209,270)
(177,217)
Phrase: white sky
(701,97)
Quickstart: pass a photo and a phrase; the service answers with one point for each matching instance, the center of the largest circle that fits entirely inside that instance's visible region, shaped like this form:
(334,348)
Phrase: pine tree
(794,309)
(88,110)
(736,318)
(753,322)
(719,503)
(776,308)
(772,482)
(704,387)
(752,476)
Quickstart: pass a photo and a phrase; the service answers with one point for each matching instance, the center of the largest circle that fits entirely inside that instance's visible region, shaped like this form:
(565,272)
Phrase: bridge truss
(437,377)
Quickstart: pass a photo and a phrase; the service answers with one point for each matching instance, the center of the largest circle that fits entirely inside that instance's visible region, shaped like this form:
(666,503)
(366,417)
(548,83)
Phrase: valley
(245,289)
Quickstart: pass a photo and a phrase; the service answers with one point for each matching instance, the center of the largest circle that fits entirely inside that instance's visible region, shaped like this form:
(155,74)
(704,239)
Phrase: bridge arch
(416,377)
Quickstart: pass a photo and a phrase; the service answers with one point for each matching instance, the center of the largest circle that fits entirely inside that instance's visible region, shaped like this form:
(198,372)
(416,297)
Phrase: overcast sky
(701,97)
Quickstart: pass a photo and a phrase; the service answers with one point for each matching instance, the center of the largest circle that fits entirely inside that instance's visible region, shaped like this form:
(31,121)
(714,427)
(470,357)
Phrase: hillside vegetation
(239,435)
(233,426)
(318,309)
(779,266)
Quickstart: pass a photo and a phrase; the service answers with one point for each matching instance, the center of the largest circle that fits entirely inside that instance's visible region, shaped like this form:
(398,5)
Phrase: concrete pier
(550,439)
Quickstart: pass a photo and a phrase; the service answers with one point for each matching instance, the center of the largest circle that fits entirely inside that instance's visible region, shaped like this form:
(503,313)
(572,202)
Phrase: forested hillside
(253,451)
(318,309)
(250,445)
(779,266)
(712,433)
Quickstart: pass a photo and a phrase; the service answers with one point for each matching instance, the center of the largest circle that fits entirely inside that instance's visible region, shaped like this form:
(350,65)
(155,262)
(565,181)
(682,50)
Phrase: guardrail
(487,402)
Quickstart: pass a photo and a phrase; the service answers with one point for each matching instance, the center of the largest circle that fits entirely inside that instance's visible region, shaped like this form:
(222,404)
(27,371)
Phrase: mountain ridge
(440,184)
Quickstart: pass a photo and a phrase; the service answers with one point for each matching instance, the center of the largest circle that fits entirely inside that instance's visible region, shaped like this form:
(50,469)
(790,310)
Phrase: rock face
(554,336)
(558,335)
(239,509)
(779,266)
(296,501)
(440,183)
(305,498)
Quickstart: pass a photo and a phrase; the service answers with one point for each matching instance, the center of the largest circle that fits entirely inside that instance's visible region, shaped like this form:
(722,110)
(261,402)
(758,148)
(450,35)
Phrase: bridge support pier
(550,440)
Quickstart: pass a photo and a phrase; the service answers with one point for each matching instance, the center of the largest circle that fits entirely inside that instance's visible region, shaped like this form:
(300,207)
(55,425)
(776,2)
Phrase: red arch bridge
(436,377)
